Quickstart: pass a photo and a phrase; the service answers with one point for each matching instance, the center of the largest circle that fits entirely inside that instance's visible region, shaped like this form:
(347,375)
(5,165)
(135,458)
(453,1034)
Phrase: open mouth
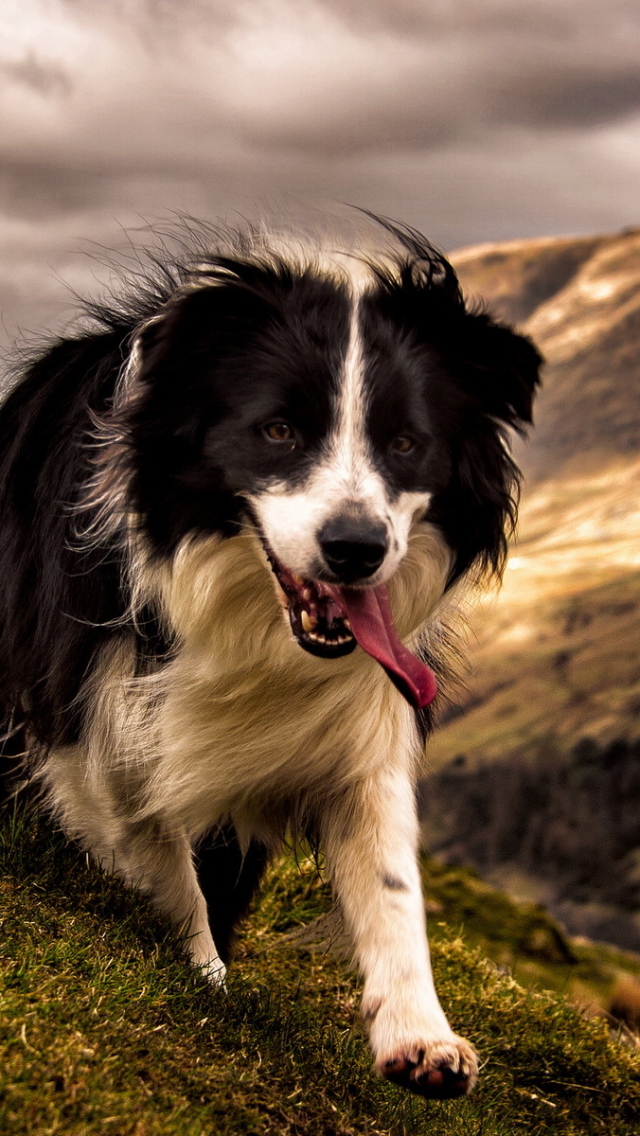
(318,619)
(330,621)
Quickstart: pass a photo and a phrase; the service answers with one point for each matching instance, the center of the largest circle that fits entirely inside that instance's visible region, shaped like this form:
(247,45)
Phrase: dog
(236,507)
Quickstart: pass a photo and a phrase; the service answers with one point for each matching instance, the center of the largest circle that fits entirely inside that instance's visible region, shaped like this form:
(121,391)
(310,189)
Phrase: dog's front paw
(434,1067)
(214,971)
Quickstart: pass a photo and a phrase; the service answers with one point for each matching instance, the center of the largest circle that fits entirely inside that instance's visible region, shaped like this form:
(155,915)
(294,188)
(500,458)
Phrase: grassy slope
(523,938)
(556,654)
(103,1030)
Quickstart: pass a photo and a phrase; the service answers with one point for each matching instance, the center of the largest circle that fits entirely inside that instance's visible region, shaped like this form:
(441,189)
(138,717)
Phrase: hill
(104,1028)
(557,654)
(580,300)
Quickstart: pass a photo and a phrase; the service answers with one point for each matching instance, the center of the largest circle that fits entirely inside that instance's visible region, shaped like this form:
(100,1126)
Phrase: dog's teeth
(320,638)
(347,624)
(298,581)
(307,594)
(344,639)
(308,621)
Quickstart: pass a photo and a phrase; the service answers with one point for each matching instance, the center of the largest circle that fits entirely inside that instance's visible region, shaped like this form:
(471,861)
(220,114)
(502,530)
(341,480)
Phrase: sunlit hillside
(556,655)
(557,652)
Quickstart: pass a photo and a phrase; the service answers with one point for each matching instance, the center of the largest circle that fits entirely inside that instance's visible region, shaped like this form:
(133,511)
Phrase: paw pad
(437,1071)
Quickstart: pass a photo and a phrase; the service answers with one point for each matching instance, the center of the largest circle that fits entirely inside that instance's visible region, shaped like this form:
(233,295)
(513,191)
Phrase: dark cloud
(570,97)
(472,120)
(41,75)
(577,23)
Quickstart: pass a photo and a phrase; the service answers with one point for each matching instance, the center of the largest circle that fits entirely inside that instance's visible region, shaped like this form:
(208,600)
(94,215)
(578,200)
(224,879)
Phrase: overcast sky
(474,120)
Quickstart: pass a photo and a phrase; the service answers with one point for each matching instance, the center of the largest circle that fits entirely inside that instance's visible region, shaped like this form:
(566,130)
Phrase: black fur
(189,469)
(229,878)
(57,605)
(455,378)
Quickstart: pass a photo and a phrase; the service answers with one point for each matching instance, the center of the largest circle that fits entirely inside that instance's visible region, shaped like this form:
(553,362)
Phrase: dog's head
(333,417)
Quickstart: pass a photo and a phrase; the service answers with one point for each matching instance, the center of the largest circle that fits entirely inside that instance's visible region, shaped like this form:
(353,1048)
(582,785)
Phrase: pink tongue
(372,625)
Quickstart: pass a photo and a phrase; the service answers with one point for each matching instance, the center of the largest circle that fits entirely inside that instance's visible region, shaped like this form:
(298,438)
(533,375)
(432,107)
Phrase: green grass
(523,938)
(104,1028)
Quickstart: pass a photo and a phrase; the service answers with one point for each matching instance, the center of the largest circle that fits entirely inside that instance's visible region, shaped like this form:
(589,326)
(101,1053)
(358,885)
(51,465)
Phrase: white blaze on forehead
(345,480)
(349,460)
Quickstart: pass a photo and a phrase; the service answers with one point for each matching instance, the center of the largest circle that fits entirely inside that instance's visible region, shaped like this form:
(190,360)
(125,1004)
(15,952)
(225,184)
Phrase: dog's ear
(203,320)
(187,358)
(498,370)
(501,370)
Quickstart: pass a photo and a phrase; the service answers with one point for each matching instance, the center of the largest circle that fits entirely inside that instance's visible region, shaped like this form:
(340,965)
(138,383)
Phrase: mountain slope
(580,300)
(556,656)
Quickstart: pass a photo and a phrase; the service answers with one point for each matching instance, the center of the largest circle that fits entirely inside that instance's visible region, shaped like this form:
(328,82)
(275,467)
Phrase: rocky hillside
(557,654)
(580,300)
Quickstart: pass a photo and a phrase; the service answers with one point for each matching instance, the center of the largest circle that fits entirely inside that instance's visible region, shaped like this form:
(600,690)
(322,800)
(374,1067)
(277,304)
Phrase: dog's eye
(402,444)
(279,432)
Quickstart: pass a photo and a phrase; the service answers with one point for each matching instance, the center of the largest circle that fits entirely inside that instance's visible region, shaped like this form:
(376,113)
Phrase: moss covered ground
(104,1028)
(523,939)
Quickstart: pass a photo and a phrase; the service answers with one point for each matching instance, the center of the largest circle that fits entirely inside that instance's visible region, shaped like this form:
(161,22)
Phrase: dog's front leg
(160,863)
(371,841)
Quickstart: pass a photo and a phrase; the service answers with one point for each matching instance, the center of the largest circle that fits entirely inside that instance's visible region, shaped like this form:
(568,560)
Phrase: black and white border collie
(233,509)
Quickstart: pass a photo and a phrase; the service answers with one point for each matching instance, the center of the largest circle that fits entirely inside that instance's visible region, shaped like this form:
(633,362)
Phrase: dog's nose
(352,549)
